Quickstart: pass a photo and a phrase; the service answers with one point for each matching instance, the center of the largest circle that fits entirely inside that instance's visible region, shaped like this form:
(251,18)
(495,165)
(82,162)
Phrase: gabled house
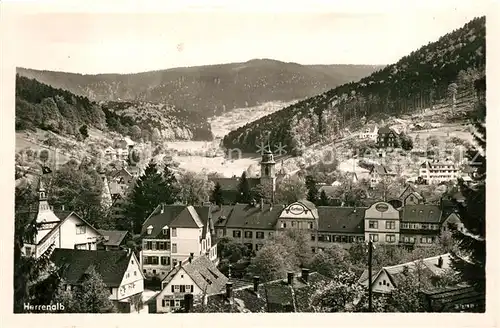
(68,230)
(410,196)
(113,240)
(385,280)
(197,276)
(377,173)
(278,296)
(387,138)
(174,232)
(119,270)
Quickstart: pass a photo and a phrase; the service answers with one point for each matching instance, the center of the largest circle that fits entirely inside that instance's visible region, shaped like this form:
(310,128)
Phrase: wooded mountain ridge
(433,73)
(39,105)
(212,89)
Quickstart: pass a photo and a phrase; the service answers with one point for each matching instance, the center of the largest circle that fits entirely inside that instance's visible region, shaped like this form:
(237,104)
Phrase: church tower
(45,216)
(268,172)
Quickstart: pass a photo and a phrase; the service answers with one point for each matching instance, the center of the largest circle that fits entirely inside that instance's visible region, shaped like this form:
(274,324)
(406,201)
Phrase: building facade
(68,231)
(173,233)
(437,172)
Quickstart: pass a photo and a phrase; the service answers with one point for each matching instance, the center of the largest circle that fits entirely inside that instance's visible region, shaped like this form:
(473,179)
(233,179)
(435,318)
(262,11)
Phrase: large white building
(437,172)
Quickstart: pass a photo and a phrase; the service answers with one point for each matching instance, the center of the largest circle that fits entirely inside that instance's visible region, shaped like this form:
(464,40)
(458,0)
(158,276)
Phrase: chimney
(256,283)
(305,274)
(440,262)
(290,278)
(229,290)
(188,302)
(162,209)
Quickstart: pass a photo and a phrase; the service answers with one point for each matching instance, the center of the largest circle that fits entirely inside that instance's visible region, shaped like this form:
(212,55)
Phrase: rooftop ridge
(414,261)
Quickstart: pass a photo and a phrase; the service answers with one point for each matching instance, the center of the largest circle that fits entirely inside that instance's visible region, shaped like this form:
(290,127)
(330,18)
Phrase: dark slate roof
(385,130)
(380,169)
(421,213)
(282,297)
(158,220)
(341,219)
(220,214)
(187,218)
(113,237)
(253,217)
(111,265)
(203,272)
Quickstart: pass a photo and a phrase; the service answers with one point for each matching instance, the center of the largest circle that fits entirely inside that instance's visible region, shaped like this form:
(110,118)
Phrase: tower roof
(267,158)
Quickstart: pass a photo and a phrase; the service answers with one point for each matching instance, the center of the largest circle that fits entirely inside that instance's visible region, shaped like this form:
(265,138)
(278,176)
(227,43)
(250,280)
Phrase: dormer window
(150,230)
(165,231)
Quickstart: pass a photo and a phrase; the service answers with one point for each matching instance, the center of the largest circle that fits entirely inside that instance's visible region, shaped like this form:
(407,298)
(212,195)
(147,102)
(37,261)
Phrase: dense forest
(39,105)
(437,71)
(210,90)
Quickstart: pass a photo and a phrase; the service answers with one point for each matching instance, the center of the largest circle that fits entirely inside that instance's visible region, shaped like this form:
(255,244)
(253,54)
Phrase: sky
(94,42)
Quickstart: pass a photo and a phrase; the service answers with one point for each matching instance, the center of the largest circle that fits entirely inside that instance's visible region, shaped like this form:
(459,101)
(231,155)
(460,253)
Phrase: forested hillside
(210,90)
(437,72)
(41,106)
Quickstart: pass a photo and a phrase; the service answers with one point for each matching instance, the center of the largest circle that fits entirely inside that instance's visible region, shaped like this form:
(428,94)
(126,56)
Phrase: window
(165,231)
(135,273)
(160,246)
(248,234)
(174,248)
(154,271)
(313,249)
(293,224)
(259,235)
(81,246)
(313,237)
(373,224)
(374,237)
(28,251)
(236,234)
(283,225)
(183,288)
(165,260)
(390,238)
(351,239)
(390,225)
(425,226)
(174,232)
(361,239)
(174,262)
(80,229)
(144,270)
(149,245)
(258,247)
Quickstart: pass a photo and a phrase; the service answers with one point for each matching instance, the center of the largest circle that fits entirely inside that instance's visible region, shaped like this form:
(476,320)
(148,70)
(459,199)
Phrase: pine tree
(312,190)
(91,296)
(244,193)
(149,191)
(470,259)
(217,194)
(171,183)
(323,199)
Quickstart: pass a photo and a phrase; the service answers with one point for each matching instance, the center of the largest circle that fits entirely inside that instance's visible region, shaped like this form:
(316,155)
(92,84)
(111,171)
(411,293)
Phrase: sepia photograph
(250,162)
